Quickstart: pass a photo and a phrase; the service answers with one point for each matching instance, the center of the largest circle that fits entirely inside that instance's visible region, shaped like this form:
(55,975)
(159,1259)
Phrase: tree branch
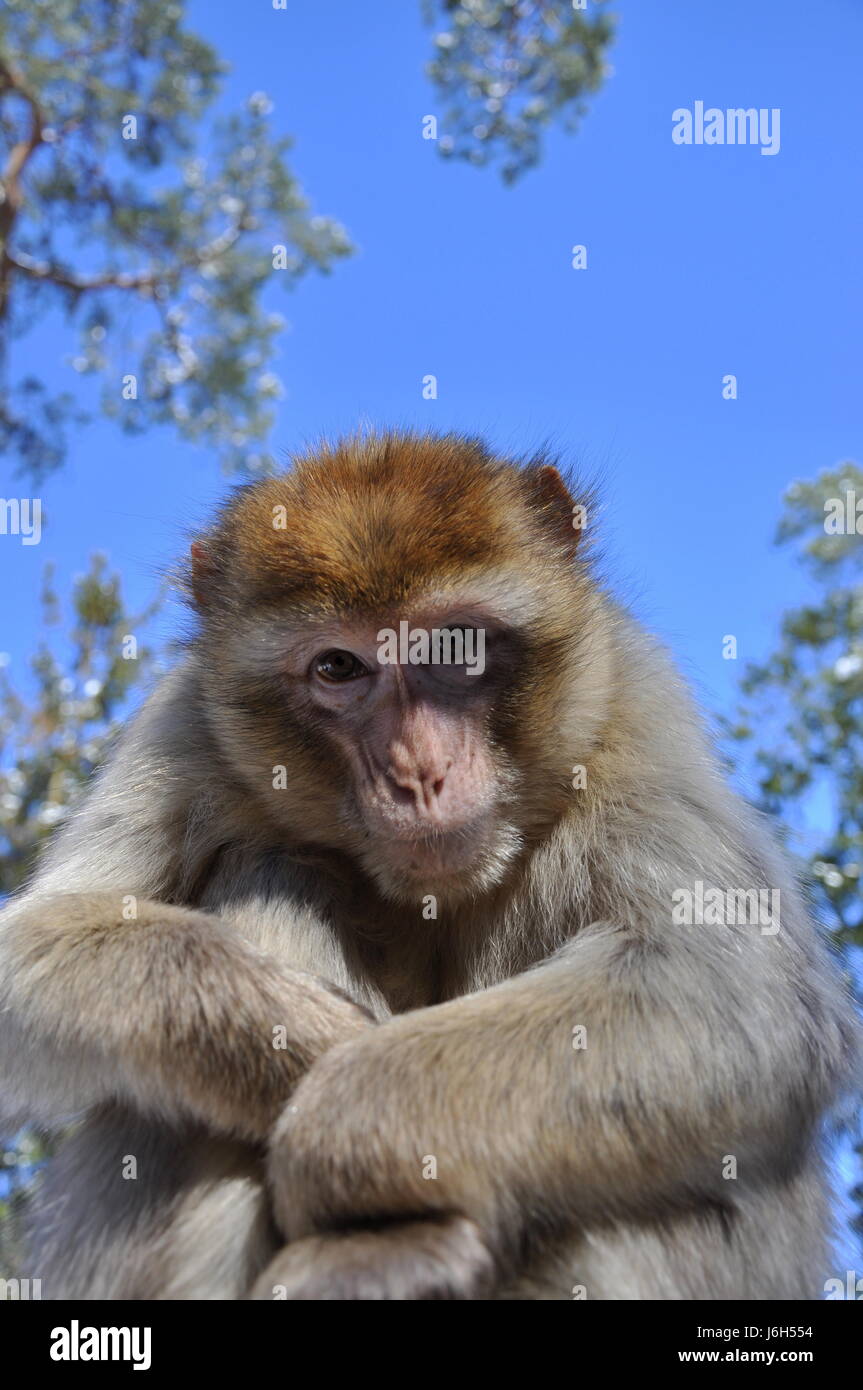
(20,153)
(107,279)
(122,279)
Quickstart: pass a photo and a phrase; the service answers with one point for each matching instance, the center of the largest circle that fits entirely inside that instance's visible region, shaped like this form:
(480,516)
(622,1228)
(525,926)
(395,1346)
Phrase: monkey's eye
(336,666)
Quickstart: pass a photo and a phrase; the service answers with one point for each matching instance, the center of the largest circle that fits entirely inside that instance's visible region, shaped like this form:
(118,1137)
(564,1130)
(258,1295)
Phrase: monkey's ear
(551,500)
(201,570)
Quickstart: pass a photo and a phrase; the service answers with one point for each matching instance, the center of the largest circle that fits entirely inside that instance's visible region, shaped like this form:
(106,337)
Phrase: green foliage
(508,68)
(808,694)
(53,732)
(180,222)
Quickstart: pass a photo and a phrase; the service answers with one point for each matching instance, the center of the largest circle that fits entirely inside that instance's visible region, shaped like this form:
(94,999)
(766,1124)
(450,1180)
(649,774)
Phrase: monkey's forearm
(590,1084)
(172,1011)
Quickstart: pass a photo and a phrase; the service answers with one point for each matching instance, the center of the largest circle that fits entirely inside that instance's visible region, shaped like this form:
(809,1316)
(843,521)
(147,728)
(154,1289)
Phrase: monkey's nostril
(402,793)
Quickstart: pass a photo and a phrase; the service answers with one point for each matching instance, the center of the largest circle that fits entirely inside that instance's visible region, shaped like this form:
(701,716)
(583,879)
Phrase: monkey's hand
(443,1258)
(173,1012)
(356,1147)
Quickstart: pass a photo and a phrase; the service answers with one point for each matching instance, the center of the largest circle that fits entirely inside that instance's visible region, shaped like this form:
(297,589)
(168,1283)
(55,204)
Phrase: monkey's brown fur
(260,906)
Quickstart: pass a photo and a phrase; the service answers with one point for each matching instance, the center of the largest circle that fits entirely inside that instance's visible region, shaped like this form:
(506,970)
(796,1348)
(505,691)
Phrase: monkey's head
(401,658)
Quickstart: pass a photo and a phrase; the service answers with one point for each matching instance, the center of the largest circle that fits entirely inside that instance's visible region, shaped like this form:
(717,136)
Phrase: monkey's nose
(422,788)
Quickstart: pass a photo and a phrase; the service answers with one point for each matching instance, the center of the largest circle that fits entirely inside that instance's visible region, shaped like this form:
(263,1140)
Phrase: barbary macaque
(365,978)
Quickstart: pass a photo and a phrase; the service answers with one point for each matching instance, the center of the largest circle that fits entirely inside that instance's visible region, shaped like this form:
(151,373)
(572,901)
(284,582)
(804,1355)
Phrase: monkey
(363,979)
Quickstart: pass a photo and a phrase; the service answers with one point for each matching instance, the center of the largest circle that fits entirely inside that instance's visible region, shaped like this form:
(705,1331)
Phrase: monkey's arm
(698,1043)
(172,1011)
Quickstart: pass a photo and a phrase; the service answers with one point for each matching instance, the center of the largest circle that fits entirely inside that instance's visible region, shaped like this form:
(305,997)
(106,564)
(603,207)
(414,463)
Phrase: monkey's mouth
(440,854)
(453,864)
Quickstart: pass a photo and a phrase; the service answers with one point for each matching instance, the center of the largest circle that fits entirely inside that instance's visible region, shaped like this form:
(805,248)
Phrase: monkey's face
(400,660)
(408,708)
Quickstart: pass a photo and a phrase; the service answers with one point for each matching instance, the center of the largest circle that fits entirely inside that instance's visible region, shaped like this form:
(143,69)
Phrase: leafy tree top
(508,68)
(809,694)
(115,186)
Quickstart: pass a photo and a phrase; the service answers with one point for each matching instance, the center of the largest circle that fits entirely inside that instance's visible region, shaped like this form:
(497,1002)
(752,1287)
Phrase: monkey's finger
(411,1260)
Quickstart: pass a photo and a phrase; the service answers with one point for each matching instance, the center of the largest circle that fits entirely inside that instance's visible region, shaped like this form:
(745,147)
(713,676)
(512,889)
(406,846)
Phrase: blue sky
(701,261)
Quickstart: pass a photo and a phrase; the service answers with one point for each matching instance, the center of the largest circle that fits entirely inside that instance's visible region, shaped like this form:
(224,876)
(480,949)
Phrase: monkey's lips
(438,855)
(457,863)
